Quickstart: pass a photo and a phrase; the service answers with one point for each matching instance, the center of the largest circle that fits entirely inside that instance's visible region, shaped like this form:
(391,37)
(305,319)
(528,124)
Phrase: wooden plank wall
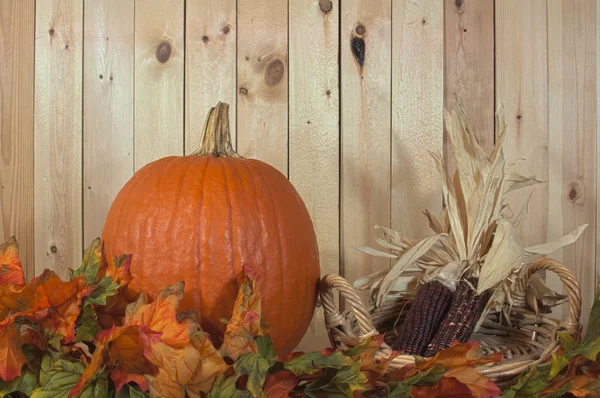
(345,98)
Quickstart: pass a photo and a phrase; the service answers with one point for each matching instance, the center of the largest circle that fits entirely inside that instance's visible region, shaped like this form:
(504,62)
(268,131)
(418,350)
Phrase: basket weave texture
(524,337)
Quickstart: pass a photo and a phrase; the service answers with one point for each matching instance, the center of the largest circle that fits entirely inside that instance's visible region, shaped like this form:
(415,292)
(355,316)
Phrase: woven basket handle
(571,322)
(335,322)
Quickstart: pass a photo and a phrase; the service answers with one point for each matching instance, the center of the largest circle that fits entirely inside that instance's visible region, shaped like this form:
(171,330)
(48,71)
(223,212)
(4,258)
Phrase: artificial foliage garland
(53,345)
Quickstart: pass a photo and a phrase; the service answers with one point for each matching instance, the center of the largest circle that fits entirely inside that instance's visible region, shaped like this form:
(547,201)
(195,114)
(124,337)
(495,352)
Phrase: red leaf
(120,377)
(32,336)
(12,358)
(279,384)
(448,387)
(11,271)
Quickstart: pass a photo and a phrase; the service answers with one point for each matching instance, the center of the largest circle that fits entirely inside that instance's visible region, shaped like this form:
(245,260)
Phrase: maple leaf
(480,386)
(92,260)
(246,322)
(460,354)
(447,387)
(311,362)
(365,352)
(342,382)
(113,312)
(279,384)
(58,377)
(184,371)
(11,271)
(12,358)
(225,387)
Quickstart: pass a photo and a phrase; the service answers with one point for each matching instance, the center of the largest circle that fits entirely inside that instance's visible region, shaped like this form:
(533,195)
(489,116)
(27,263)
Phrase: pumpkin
(201,218)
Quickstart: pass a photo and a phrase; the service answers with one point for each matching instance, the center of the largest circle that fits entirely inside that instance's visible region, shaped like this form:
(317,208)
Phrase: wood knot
(100,76)
(226,29)
(575,191)
(458,3)
(274,72)
(51,31)
(66,46)
(163,52)
(243,90)
(424,21)
(53,249)
(328,92)
(519,117)
(357,45)
(325,5)
(205,39)
(360,30)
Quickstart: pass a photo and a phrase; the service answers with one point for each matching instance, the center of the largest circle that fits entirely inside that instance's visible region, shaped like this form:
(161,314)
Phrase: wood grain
(107,108)
(522,86)
(58,135)
(366,132)
(314,133)
(417,106)
(210,64)
(469,65)
(262,79)
(17,28)
(572,174)
(159,86)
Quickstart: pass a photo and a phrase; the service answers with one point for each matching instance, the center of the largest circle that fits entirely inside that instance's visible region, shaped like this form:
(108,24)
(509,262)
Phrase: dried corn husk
(475,234)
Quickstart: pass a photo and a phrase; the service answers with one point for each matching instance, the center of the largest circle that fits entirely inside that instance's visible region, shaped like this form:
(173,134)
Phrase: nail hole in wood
(424,21)
(205,39)
(519,117)
(163,52)
(465,30)
(247,58)
(66,46)
(458,3)
(110,78)
(89,187)
(51,32)
(101,76)
(325,5)
(328,92)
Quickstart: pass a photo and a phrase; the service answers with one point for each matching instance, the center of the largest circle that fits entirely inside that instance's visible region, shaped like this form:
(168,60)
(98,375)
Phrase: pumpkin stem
(216,138)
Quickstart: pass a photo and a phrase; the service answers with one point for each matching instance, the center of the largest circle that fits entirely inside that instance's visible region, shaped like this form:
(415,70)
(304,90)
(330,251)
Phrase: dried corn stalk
(474,236)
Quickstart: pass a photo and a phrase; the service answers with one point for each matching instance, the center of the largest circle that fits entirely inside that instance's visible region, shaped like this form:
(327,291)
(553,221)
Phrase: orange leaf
(113,313)
(246,321)
(279,384)
(12,358)
(480,386)
(448,387)
(64,299)
(189,370)
(11,271)
(458,355)
(34,337)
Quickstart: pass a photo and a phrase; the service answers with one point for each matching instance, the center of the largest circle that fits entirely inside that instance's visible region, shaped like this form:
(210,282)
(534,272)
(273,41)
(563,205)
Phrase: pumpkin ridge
(199,255)
(259,174)
(233,272)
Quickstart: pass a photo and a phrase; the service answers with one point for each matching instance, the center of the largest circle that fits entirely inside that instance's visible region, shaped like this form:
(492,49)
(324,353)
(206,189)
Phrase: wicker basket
(524,338)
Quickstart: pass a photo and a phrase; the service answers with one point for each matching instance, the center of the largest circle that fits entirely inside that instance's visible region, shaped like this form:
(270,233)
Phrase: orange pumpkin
(201,218)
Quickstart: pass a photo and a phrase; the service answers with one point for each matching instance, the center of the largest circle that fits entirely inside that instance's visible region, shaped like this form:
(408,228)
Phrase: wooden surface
(469,64)
(417,104)
(366,133)
(70,138)
(210,63)
(159,70)
(572,133)
(17,21)
(107,108)
(314,131)
(262,81)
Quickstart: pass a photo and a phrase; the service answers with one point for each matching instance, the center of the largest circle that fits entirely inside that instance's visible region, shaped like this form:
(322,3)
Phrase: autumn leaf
(92,260)
(113,312)
(448,387)
(11,271)
(311,362)
(25,383)
(279,384)
(529,384)
(480,386)
(458,355)
(225,387)
(185,371)
(342,382)
(246,322)
(401,384)
(558,364)
(12,358)
(57,378)
(256,367)
(365,352)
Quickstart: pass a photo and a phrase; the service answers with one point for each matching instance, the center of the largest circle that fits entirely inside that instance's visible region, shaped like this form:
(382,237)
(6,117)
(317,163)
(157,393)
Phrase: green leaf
(256,367)
(568,342)
(25,383)
(129,391)
(590,349)
(430,377)
(88,326)
(91,262)
(57,378)
(560,392)
(265,346)
(104,289)
(593,329)
(224,387)
(529,385)
(310,362)
(558,363)
(401,391)
(342,382)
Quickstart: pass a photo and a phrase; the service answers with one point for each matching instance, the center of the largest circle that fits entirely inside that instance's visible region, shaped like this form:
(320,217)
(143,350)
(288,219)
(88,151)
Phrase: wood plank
(366,96)
(314,132)
(58,135)
(210,72)
(572,136)
(417,109)
(108,108)
(262,131)
(159,65)
(17,28)
(522,86)
(469,65)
